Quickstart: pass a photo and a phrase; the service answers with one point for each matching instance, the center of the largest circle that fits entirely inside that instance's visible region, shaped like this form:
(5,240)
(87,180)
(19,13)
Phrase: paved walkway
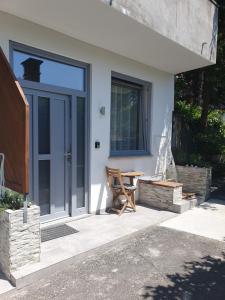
(93,232)
(207,220)
(155,263)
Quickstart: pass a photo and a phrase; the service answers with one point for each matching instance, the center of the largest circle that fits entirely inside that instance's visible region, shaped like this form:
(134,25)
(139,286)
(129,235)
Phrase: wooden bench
(160,194)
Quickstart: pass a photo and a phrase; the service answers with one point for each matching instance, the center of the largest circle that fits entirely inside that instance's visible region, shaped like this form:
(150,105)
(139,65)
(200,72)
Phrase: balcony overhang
(99,24)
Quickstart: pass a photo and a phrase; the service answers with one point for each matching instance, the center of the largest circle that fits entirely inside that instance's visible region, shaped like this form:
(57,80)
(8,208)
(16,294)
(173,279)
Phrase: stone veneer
(195,180)
(19,241)
(160,194)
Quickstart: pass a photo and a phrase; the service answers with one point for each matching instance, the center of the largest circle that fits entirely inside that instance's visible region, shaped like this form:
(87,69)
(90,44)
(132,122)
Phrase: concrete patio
(155,263)
(207,220)
(93,231)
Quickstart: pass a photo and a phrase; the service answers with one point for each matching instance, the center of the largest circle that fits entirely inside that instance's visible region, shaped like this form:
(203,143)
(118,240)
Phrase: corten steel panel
(14,129)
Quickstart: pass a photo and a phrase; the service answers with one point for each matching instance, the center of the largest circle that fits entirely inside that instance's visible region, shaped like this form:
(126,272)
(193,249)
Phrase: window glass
(39,69)
(43,125)
(127,117)
(80,151)
(44,186)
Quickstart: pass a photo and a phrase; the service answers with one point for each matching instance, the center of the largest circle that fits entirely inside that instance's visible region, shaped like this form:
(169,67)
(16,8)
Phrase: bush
(191,159)
(204,142)
(11,200)
(200,146)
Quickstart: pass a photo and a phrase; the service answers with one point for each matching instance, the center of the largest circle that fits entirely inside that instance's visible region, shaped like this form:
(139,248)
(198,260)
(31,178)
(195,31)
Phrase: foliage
(193,159)
(200,105)
(11,200)
(205,87)
(188,111)
(204,143)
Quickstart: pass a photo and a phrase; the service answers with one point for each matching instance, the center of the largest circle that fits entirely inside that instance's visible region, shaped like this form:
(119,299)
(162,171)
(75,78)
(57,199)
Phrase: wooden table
(131,175)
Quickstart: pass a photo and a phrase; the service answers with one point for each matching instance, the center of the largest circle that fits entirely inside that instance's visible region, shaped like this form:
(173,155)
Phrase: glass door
(50,152)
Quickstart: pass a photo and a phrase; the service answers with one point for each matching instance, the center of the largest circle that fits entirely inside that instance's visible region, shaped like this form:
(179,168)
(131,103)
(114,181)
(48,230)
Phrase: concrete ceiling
(98,24)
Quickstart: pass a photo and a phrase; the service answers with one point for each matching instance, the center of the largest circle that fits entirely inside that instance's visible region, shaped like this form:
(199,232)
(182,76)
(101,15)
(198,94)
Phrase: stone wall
(163,196)
(195,180)
(19,241)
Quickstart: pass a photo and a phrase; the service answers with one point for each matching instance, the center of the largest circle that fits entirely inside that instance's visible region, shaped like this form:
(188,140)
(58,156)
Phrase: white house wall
(190,23)
(102,62)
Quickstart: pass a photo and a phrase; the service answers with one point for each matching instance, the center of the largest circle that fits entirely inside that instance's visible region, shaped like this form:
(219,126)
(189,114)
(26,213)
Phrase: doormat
(55,232)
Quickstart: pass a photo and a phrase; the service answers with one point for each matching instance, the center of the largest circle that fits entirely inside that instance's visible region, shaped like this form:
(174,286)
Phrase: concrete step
(185,205)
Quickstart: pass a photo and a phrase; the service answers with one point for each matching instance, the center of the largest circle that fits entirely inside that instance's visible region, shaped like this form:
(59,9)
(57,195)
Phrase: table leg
(132,180)
(133,197)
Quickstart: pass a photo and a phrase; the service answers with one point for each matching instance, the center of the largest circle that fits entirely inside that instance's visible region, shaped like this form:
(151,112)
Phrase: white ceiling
(96,23)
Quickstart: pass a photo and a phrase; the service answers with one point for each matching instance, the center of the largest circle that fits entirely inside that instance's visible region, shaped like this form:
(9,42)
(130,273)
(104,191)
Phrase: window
(39,69)
(130,101)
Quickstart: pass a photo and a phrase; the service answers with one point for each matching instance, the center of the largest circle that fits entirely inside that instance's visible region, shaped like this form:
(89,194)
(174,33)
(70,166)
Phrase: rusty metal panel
(14,129)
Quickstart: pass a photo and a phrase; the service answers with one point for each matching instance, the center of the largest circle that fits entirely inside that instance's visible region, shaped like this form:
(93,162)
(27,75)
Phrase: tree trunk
(205,111)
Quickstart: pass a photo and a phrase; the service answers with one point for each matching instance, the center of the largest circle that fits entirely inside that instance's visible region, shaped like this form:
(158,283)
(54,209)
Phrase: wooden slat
(14,129)
(132,174)
(167,184)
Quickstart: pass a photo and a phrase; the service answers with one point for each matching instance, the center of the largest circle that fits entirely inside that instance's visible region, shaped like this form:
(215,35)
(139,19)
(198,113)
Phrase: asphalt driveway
(155,263)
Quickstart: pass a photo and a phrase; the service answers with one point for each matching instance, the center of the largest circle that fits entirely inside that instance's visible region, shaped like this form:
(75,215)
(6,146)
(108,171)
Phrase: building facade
(99,79)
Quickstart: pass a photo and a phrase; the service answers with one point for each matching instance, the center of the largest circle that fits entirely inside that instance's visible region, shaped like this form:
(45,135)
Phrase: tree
(206,86)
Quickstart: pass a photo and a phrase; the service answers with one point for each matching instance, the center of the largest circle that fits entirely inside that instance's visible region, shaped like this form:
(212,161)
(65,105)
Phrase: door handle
(68,155)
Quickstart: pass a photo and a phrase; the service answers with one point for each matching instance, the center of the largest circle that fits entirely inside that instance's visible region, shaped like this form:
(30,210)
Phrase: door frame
(72,93)
(36,157)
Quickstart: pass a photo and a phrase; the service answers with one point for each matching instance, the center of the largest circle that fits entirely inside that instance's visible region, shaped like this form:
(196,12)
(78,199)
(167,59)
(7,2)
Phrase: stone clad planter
(19,241)
(161,194)
(195,180)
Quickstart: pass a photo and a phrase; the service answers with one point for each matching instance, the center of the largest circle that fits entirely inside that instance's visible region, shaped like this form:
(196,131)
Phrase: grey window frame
(19,47)
(146,100)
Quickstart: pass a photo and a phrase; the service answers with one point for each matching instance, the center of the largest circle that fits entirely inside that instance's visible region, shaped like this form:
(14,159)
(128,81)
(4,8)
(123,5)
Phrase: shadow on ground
(219,192)
(204,279)
(208,206)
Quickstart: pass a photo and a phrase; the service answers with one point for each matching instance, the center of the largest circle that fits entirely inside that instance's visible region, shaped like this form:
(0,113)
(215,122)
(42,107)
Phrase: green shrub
(188,111)
(204,142)
(218,170)
(11,200)
(200,146)
(191,159)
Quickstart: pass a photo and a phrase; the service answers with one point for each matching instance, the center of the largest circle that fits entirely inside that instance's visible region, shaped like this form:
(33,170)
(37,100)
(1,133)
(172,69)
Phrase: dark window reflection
(38,69)
(80,151)
(43,125)
(44,186)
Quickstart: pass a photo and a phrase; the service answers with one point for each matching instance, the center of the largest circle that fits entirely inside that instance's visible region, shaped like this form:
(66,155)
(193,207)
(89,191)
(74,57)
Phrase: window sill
(129,154)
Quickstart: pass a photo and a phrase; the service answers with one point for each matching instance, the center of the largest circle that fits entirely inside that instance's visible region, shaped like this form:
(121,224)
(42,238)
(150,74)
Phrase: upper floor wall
(190,23)
(171,35)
